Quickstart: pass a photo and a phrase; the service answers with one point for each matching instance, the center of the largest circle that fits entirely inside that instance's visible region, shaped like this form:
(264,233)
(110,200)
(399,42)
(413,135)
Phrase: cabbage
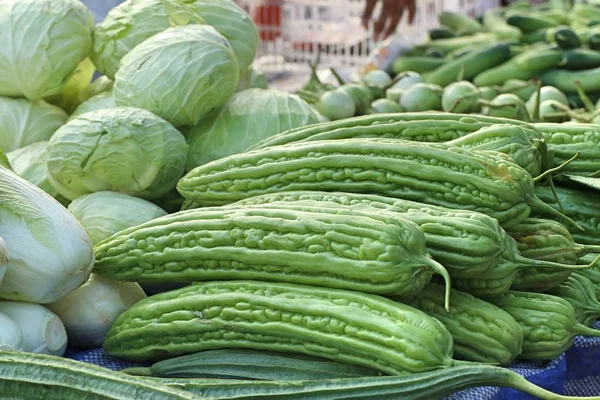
(102,214)
(75,90)
(100,85)
(234,24)
(181,74)
(252,79)
(42,43)
(50,253)
(23,122)
(249,117)
(30,163)
(100,101)
(122,149)
(134,21)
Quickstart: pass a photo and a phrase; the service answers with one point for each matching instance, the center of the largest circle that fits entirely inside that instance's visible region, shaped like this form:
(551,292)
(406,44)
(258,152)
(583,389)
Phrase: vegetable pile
(434,226)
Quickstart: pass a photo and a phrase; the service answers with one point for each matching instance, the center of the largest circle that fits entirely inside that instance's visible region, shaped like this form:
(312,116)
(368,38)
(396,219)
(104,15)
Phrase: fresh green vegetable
(460,23)
(546,93)
(406,79)
(580,59)
(422,97)
(378,333)
(50,253)
(396,250)
(42,331)
(90,310)
(553,111)
(549,323)
(209,64)
(360,94)
(488,175)
(249,117)
(251,364)
(481,331)
(566,38)
(386,106)
(441,32)
(123,149)
(506,105)
(29,162)
(566,80)
(460,97)
(36,376)
(102,214)
(11,336)
(336,104)
(578,204)
(44,41)
(377,81)
(581,293)
(100,101)
(470,65)
(252,79)
(530,22)
(419,64)
(425,385)
(488,92)
(522,89)
(23,122)
(75,90)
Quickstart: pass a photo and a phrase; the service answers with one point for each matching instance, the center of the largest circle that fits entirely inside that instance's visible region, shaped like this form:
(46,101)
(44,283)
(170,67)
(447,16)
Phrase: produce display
(409,235)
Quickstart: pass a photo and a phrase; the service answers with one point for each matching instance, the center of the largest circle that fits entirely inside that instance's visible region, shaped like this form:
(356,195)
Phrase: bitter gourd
(339,325)
(420,127)
(377,253)
(481,331)
(544,239)
(581,293)
(452,256)
(566,140)
(430,173)
(593,274)
(549,323)
(581,205)
(251,364)
(423,386)
(38,376)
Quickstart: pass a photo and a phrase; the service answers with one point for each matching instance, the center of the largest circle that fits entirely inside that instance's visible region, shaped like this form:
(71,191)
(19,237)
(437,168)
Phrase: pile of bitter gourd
(323,241)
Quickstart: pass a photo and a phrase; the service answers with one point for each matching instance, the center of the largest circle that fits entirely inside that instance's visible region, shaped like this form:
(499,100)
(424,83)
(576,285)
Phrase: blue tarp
(574,373)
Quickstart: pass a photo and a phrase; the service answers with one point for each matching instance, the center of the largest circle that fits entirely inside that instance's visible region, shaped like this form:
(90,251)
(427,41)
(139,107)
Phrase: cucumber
(251,364)
(565,80)
(460,23)
(418,64)
(566,38)
(535,36)
(441,32)
(580,59)
(530,22)
(538,60)
(470,65)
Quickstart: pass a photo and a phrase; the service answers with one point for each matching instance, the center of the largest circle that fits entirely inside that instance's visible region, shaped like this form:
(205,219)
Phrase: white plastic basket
(293,31)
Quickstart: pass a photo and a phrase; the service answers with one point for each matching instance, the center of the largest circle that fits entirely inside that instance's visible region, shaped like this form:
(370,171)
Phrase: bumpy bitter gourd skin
(340,325)
(549,323)
(372,253)
(481,331)
(580,291)
(430,173)
(420,127)
(566,140)
(583,206)
(544,239)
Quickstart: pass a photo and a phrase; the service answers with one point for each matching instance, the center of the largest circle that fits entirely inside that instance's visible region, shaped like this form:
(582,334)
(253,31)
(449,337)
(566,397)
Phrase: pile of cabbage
(97,125)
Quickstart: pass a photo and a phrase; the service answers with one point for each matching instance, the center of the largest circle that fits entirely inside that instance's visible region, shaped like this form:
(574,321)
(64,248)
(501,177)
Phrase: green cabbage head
(121,149)
(133,21)
(100,101)
(180,74)
(23,122)
(29,162)
(249,117)
(102,214)
(41,44)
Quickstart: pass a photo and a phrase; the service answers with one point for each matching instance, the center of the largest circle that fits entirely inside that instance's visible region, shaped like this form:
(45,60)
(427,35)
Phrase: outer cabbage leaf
(132,22)
(29,162)
(102,214)
(234,24)
(50,253)
(123,149)
(249,117)
(101,101)
(100,85)
(42,42)
(4,160)
(180,74)
(252,79)
(75,90)
(23,122)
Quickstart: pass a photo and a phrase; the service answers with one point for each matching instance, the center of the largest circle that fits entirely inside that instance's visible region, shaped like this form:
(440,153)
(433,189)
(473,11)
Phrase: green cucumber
(566,80)
(580,59)
(530,22)
(418,64)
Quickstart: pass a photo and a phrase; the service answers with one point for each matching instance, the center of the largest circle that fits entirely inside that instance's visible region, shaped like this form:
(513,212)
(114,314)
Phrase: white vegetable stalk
(50,253)
(42,330)
(3,258)
(89,311)
(11,337)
